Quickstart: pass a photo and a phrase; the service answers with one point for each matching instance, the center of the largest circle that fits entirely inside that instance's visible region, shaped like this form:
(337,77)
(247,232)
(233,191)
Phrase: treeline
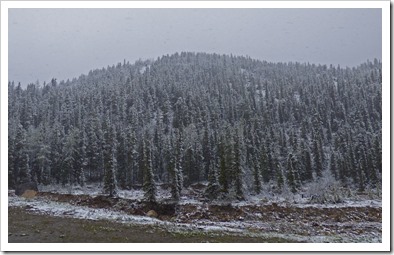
(234,122)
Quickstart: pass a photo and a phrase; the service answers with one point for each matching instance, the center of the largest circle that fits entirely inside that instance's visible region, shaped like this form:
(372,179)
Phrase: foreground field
(28,227)
(54,217)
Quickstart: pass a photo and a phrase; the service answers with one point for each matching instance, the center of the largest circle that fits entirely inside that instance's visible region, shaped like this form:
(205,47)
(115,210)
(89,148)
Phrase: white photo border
(384,246)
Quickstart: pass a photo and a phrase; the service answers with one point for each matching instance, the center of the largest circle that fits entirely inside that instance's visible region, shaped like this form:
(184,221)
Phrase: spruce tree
(256,177)
(22,168)
(149,185)
(237,170)
(317,159)
(213,188)
(307,173)
(11,163)
(177,173)
(110,184)
(333,165)
(223,168)
(110,163)
(291,179)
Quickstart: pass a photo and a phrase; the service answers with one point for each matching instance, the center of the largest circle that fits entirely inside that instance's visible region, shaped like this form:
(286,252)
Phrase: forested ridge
(235,123)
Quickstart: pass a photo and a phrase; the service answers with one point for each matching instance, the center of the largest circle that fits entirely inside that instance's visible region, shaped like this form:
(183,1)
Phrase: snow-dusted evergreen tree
(149,182)
(24,169)
(213,189)
(11,163)
(291,176)
(237,170)
(122,151)
(43,161)
(256,176)
(311,111)
(318,165)
(110,184)
(111,165)
(224,168)
(333,166)
(131,158)
(21,163)
(307,170)
(177,173)
(80,159)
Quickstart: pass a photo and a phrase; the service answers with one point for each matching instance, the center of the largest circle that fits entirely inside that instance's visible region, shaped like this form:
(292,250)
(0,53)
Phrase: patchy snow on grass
(282,228)
(349,203)
(52,208)
(187,197)
(94,190)
(45,207)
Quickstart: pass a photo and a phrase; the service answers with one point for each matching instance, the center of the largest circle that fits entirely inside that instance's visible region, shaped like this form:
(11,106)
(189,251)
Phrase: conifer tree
(317,159)
(307,173)
(279,179)
(22,168)
(110,163)
(291,179)
(149,183)
(177,173)
(237,170)
(208,98)
(223,168)
(11,163)
(256,177)
(110,184)
(333,165)
(213,188)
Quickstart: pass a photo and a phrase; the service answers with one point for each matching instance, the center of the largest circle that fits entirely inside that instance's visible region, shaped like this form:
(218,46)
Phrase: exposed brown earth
(343,224)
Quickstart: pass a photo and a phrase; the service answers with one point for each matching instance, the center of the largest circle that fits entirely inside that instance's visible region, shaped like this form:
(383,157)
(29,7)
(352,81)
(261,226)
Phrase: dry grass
(29,194)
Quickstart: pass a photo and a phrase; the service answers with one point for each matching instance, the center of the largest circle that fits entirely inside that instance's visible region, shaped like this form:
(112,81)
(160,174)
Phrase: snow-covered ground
(46,207)
(289,229)
(96,190)
(288,200)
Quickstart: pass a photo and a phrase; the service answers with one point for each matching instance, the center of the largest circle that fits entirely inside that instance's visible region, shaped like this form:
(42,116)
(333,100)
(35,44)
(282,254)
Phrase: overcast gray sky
(64,43)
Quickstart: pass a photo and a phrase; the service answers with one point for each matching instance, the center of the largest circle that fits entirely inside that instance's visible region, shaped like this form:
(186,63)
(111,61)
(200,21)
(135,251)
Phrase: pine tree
(333,165)
(177,174)
(361,178)
(208,98)
(56,152)
(132,158)
(213,188)
(43,158)
(110,163)
(291,179)
(377,151)
(67,164)
(110,184)
(122,151)
(317,159)
(307,173)
(206,152)
(11,163)
(265,159)
(149,183)
(22,168)
(256,177)
(81,160)
(237,170)
(279,179)
(223,168)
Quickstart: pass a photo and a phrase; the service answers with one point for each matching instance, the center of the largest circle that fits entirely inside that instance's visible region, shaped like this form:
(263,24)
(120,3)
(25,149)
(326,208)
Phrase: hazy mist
(64,43)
